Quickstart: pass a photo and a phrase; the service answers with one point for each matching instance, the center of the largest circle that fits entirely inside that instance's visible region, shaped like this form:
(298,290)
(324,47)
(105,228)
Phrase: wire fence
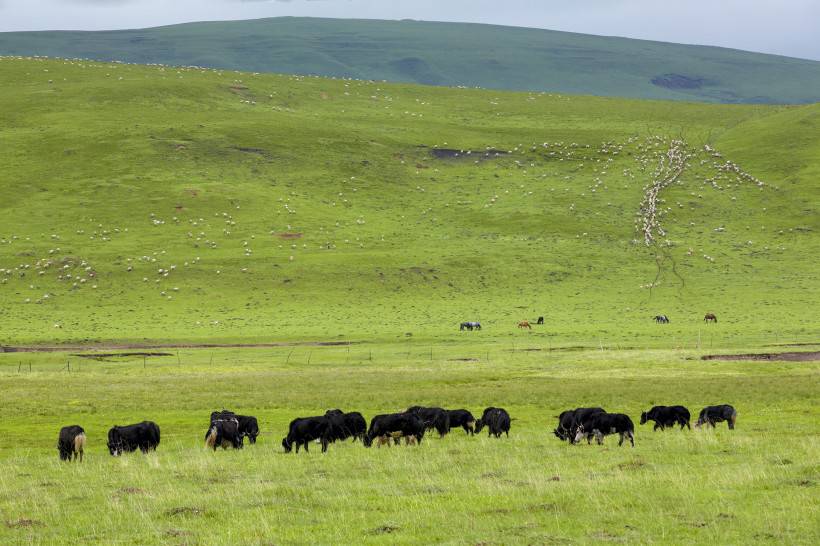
(463,350)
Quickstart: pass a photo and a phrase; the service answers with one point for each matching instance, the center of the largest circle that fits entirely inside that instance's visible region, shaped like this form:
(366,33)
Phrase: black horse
(540,320)
(661,319)
(470,326)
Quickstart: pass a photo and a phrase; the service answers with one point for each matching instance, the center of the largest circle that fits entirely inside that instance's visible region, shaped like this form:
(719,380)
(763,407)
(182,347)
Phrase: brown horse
(710,317)
(524,324)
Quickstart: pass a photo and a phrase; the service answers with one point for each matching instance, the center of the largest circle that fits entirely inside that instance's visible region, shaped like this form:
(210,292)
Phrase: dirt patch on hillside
(791,357)
(249,150)
(125,346)
(288,235)
(452,153)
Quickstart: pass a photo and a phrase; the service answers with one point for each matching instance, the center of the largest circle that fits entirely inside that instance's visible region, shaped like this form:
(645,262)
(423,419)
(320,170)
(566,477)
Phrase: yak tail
(210,438)
(79,445)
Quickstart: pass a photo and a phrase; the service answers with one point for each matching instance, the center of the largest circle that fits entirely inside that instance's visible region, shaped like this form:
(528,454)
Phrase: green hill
(449,54)
(184,204)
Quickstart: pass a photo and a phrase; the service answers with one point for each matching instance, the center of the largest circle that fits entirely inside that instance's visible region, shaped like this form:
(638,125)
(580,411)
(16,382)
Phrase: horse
(661,319)
(470,326)
(710,317)
(540,320)
(524,324)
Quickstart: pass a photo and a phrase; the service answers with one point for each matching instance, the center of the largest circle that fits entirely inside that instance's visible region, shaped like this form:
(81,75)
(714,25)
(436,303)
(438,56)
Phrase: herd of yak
(227,429)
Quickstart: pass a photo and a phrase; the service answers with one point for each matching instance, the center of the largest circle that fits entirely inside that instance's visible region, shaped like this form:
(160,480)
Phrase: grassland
(756,484)
(185,205)
(161,205)
(451,54)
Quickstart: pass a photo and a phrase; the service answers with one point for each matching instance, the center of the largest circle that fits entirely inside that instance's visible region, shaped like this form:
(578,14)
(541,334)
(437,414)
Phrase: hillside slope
(450,54)
(171,204)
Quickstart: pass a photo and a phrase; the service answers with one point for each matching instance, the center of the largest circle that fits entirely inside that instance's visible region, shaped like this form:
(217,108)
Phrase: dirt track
(137,346)
(792,357)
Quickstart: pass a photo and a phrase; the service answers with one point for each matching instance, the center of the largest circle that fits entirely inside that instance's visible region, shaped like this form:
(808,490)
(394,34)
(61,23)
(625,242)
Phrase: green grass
(111,167)
(114,172)
(451,54)
(756,484)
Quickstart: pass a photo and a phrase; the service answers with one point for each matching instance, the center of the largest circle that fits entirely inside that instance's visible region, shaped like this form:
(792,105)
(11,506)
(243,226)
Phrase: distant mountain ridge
(449,54)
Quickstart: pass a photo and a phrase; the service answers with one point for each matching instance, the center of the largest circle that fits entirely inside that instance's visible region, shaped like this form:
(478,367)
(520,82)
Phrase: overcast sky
(785,27)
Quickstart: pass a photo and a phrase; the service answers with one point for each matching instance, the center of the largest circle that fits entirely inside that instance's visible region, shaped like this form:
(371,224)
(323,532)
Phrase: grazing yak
(224,432)
(346,425)
(248,425)
(717,414)
(667,416)
(395,438)
(433,418)
(143,436)
(71,443)
(661,319)
(462,418)
(304,430)
(395,425)
(569,420)
(497,421)
(604,424)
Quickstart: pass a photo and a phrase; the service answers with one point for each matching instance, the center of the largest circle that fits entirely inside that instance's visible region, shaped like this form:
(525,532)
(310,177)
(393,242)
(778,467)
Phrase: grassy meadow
(756,484)
(151,203)
(146,205)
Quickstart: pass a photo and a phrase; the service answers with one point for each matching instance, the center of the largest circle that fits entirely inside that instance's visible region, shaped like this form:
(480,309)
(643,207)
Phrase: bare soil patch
(106,356)
(289,235)
(184,511)
(138,346)
(23,523)
(451,153)
(791,357)
(812,344)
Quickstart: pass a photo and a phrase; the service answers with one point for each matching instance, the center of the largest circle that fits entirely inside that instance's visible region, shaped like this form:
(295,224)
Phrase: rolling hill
(449,54)
(189,204)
